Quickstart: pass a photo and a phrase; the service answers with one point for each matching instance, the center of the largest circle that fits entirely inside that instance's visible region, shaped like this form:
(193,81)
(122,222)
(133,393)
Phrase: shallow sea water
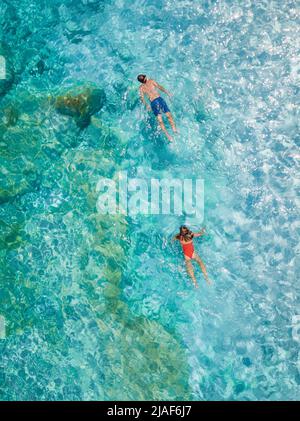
(100,307)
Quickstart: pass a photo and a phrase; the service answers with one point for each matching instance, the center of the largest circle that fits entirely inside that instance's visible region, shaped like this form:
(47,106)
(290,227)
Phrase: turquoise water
(100,307)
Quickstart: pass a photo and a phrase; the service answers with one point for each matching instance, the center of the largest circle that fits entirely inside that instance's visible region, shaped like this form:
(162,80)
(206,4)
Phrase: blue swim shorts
(159,105)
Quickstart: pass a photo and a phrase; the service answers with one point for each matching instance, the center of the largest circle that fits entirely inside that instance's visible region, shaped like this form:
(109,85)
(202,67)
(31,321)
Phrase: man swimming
(185,237)
(150,88)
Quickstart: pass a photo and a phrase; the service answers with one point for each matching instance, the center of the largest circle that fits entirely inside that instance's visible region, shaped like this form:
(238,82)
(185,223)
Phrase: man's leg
(171,120)
(190,271)
(202,266)
(162,125)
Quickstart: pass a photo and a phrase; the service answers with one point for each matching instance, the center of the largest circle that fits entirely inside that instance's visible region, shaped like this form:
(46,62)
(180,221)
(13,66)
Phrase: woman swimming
(185,237)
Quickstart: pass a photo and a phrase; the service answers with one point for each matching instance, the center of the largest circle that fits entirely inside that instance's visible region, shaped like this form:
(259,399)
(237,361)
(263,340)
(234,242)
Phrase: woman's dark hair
(141,78)
(186,236)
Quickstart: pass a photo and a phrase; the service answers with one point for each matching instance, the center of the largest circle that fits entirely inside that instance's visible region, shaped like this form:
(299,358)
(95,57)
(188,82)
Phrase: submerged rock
(81,106)
(11,115)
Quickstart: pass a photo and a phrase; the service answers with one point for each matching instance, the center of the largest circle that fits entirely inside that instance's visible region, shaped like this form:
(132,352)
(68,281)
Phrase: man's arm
(142,96)
(161,88)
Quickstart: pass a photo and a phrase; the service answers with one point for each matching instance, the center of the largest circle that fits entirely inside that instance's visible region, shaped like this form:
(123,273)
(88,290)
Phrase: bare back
(150,89)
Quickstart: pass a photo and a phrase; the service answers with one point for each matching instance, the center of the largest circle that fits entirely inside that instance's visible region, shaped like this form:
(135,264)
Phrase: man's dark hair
(141,78)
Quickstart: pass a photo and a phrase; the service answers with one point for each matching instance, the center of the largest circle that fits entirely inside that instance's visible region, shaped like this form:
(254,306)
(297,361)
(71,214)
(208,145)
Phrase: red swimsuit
(188,249)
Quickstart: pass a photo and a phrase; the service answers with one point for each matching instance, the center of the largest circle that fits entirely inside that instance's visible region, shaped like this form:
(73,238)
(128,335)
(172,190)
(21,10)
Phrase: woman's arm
(200,233)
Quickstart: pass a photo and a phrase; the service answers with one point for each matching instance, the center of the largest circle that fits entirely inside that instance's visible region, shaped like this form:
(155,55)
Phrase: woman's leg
(202,266)
(190,271)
